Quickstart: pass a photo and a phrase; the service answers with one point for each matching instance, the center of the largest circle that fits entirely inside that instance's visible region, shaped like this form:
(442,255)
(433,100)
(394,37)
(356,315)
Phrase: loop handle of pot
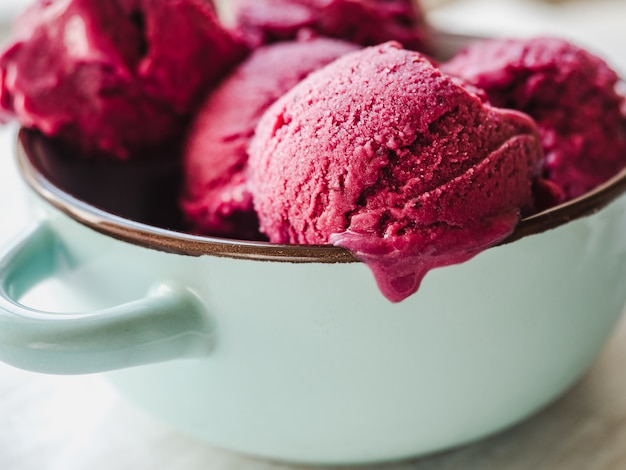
(168,322)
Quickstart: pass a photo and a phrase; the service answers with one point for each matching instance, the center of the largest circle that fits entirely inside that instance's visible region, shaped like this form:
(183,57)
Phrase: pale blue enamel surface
(310,363)
(168,322)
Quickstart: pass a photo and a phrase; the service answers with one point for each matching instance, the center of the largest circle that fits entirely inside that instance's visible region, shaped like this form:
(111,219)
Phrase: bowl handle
(169,322)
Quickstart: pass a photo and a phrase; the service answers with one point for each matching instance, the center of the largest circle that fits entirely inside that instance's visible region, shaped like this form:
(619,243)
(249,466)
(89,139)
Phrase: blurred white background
(75,423)
(12,7)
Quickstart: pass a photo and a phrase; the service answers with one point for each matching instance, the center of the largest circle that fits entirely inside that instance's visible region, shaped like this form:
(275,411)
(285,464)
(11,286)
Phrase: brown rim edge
(191,245)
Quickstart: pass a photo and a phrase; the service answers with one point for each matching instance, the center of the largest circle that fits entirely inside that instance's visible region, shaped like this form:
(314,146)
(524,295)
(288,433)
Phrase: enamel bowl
(291,352)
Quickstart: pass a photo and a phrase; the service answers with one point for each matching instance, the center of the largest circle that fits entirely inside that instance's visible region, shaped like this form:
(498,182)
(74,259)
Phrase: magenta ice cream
(569,92)
(384,155)
(365,22)
(217,200)
(115,77)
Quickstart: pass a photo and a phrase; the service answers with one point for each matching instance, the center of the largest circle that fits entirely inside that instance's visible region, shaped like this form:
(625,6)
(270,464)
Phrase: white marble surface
(67,423)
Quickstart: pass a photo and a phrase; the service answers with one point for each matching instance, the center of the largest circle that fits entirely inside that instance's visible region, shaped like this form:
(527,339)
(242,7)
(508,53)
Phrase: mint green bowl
(291,352)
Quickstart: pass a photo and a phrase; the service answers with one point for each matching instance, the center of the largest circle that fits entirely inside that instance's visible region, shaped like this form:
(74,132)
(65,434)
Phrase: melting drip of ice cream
(381,153)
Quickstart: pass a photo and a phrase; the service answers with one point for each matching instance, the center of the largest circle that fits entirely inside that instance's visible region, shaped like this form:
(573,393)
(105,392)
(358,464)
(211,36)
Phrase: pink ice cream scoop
(216,199)
(572,95)
(365,22)
(383,154)
(115,77)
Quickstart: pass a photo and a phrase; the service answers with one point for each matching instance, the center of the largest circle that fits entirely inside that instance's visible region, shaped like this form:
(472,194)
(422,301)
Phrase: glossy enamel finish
(311,364)
(308,362)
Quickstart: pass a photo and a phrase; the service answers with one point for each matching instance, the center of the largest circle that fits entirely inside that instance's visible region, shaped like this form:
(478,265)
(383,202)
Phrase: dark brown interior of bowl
(138,202)
(145,190)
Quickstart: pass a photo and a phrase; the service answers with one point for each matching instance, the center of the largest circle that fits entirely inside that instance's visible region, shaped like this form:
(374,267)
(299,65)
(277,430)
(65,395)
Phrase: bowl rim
(176,242)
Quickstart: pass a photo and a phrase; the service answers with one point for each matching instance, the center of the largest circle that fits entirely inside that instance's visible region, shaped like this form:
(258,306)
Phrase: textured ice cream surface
(383,154)
(365,22)
(571,94)
(217,200)
(115,77)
